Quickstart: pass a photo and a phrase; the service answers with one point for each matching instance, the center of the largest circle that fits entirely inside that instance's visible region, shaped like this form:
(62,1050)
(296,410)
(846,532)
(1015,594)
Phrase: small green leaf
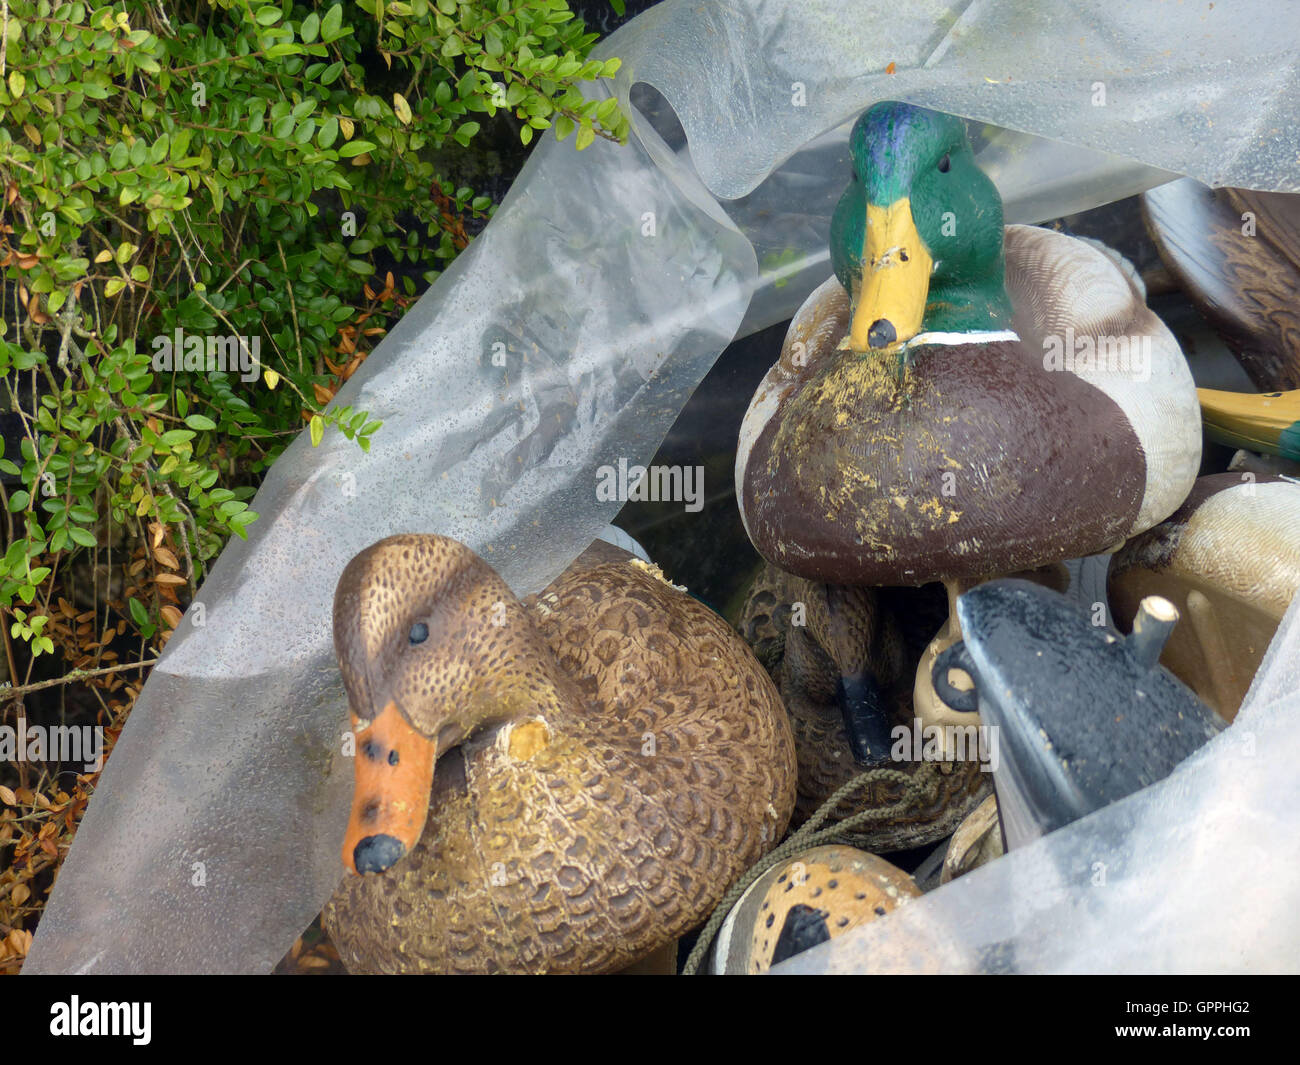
(330,24)
(198,421)
(138,612)
(355,148)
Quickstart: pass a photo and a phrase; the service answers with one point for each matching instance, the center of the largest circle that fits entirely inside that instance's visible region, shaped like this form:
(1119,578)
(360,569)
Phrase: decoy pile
(575,781)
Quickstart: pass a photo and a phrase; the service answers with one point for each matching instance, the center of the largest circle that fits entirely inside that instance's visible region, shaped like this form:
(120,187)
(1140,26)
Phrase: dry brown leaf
(20,894)
(7,796)
(166,558)
(169,578)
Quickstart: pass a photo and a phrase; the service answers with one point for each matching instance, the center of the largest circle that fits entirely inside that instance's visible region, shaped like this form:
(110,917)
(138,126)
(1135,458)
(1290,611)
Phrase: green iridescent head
(916,239)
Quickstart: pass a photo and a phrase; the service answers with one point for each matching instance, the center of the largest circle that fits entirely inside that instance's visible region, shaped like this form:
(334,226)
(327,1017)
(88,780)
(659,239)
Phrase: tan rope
(810,834)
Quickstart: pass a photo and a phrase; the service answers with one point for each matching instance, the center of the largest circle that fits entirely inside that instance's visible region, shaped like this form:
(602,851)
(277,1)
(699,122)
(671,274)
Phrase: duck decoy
(1229,560)
(843,658)
(1084,716)
(560,784)
(819,894)
(1267,422)
(961,400)
(1237,255)
(977,841)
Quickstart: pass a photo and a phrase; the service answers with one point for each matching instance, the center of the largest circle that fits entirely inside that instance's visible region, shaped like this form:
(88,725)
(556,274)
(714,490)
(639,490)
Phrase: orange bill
(394,772)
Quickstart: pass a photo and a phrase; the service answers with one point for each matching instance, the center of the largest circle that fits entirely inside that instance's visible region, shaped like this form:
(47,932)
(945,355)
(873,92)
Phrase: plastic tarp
(611,279)
(1196,874)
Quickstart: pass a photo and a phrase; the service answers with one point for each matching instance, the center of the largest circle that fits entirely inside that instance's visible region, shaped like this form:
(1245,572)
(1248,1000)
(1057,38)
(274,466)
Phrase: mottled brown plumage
(612,757)
(847,630)
(1237,253)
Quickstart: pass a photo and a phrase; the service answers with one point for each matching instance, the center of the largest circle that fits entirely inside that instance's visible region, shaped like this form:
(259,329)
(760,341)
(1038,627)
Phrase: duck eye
(419,632)
(944,163)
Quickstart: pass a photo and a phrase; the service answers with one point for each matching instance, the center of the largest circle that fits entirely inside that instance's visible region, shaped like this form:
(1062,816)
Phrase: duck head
(863,644)
(916,239)
(432,646)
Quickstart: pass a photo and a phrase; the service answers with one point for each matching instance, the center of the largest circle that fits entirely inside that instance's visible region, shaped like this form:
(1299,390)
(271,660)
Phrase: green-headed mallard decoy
(1229,561)
(960,400)
(609,758)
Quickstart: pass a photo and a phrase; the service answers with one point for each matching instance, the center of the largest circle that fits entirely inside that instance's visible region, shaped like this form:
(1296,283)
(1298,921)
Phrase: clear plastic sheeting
(1194,874)
(607,284)
(1206,89)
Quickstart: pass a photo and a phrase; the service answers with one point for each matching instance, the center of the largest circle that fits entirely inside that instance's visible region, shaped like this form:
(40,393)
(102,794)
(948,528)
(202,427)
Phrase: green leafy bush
(185,186)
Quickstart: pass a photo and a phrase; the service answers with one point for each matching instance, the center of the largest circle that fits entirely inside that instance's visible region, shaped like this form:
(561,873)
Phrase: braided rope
(810,834)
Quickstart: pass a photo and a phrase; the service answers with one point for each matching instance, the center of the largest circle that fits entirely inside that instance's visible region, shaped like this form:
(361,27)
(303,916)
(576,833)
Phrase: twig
(8,692)
(293,306)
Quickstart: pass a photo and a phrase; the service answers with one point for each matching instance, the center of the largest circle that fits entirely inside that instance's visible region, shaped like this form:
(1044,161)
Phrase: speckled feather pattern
(669,769)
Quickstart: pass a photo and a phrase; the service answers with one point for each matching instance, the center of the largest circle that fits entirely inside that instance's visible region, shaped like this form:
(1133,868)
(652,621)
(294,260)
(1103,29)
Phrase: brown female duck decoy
(960,401)
(1237,254)
(609,758)
(832,649)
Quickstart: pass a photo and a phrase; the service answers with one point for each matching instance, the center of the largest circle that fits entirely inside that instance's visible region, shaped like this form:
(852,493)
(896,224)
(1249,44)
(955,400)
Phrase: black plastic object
(1083,719)
(804,928)
(866,718)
